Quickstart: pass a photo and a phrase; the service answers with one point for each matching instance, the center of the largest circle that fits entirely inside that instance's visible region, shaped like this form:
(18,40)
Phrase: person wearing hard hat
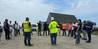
(53,30)
(27,32)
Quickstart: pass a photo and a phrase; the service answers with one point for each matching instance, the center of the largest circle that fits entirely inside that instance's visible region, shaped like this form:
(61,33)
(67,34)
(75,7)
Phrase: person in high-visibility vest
(27,32)
(64,28)
(53,31)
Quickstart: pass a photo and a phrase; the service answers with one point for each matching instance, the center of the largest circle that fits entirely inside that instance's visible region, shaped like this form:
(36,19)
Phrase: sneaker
(84,38)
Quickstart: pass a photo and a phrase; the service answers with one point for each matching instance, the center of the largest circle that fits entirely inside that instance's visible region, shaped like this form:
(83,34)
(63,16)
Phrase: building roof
(61,18)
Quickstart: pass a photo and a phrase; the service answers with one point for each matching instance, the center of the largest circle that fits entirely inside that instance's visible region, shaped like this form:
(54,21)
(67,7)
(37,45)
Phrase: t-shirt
(11,27)
(70,27)
(16,26)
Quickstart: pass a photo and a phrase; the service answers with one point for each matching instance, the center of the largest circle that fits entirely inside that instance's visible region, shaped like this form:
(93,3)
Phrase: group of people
(76,30)
(53,29)
(43,29)
(9,28)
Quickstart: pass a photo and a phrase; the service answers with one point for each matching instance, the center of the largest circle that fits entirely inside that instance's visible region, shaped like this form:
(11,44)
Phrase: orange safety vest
(64,26)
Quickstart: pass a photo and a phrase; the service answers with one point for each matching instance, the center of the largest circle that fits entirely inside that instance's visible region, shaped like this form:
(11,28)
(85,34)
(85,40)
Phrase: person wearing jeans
(53,38)
(78,32)
(77,37)
(27,37)
(53,31)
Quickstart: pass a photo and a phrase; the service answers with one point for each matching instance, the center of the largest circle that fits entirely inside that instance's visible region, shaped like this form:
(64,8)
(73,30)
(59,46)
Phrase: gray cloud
(38,10)
(19,9)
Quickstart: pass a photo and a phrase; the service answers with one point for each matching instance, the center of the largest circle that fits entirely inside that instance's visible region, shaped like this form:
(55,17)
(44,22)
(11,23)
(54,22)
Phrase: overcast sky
(39,9)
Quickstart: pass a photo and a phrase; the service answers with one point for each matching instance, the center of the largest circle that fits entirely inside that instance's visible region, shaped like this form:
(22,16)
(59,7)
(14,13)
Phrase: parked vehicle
(34,27)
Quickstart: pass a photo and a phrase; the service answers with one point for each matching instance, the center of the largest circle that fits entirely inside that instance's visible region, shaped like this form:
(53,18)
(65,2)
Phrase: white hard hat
(52,18)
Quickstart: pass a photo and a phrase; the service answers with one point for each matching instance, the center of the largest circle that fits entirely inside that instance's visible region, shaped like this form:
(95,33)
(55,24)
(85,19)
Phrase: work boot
(26,45)
(88,42)
(30,45)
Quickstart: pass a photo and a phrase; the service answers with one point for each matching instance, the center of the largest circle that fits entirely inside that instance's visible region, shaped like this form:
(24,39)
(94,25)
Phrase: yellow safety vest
(53,27)
(26,26)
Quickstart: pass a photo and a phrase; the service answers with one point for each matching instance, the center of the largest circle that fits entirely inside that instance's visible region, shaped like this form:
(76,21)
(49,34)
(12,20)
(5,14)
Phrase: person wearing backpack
(89,28)
(1,30)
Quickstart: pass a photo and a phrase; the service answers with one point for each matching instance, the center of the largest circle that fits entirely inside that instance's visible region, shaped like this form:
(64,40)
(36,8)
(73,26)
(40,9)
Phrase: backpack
(89,25)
